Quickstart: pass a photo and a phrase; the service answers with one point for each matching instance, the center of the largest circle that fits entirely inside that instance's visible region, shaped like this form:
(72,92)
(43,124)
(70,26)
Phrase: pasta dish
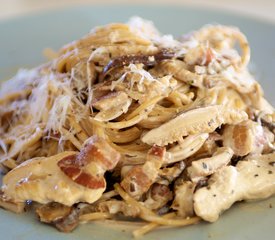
(127,122)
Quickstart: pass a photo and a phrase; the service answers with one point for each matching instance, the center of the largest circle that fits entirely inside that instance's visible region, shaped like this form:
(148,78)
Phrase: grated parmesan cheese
(20,81)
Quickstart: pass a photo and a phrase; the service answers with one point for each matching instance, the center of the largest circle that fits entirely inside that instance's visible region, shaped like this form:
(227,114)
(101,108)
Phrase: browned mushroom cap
(88,167)
(147,60)
(68,223)
(64,218)
(52,211)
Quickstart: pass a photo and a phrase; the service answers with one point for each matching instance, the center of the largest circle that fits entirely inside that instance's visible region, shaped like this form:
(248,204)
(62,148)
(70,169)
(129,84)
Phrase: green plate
(21,43)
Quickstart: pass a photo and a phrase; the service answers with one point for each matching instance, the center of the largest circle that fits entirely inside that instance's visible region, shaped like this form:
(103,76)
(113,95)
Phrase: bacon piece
(88,167)
(140,178)
(244,138)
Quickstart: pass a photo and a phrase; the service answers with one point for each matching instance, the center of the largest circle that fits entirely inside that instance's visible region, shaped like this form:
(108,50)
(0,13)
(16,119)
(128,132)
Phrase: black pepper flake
(214,195)
(270,205)
(256,175)
(132,187)
(270,172)
(204,165)
(272,164)
(210,122)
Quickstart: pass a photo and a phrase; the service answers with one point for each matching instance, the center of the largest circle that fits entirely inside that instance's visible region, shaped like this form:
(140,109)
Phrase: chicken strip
(194,121)
(66,178)
(252,178)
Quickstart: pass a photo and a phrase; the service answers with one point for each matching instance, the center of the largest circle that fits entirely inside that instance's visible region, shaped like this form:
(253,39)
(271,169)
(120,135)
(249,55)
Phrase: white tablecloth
(264,9)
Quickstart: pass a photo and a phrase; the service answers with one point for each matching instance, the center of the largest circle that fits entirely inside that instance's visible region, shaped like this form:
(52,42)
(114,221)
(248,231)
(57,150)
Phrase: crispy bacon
(88,167)
(140,178)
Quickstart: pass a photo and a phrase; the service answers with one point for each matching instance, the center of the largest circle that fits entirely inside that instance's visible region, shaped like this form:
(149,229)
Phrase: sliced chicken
(252,178)
(66,178)
(205,119)
(139,179)
(17,207)
(42,181)
(244,138)
(207,166)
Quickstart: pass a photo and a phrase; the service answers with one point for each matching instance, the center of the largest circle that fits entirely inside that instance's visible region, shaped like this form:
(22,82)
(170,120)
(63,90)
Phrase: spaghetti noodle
(126,121)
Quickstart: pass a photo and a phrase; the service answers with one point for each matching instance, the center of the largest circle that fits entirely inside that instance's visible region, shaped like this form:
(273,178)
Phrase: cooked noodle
(126,121)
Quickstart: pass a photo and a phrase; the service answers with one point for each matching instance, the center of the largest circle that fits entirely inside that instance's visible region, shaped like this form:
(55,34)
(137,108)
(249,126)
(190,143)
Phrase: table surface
(263,9)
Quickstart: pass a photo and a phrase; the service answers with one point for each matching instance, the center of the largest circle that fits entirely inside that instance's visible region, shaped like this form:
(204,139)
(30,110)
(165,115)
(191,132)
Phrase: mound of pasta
(129,122)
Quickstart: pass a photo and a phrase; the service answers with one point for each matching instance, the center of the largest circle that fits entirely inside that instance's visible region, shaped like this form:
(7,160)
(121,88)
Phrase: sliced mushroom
(69,222)
(53,211)
(252,178)
(244,138)
(158,196)
(111,106)
(183,201)
(147,60)
(206,166)
(139,179)
(205,119)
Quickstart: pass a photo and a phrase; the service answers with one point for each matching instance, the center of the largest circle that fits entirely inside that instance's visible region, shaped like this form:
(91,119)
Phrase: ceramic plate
(21,43)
